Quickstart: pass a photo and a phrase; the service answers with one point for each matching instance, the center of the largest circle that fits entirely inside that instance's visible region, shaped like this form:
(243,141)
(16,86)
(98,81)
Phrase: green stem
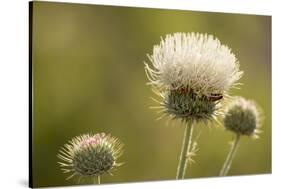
(230,156)
(98,178)
(184,150)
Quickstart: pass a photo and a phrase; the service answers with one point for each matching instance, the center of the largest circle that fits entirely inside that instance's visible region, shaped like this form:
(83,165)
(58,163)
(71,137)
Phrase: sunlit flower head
(196,60)
(88,156)
(192,72)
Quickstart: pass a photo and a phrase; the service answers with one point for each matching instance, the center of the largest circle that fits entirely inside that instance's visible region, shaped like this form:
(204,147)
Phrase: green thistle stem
(230,156)
(98,179)
(185,149)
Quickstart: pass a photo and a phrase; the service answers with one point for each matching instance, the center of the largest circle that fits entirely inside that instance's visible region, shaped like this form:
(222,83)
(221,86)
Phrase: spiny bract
(189,106)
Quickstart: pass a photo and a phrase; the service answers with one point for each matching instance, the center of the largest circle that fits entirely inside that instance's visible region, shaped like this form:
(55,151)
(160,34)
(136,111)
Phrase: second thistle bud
(89,156)
(242,117)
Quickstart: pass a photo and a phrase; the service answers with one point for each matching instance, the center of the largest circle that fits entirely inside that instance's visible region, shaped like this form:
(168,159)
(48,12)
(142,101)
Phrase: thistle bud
(242,117)
(88,156)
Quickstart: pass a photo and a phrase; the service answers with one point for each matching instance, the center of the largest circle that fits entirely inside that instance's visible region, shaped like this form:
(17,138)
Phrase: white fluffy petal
(194,60)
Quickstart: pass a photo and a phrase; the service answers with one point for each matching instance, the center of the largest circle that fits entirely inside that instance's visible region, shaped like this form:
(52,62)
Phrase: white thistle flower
(196,60)
(191,73)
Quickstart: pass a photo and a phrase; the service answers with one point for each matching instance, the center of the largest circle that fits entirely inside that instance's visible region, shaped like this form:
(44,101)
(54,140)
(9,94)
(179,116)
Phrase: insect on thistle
(215,97)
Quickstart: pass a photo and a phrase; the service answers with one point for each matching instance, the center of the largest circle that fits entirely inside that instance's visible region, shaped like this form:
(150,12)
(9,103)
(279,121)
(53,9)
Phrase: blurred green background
(88,76)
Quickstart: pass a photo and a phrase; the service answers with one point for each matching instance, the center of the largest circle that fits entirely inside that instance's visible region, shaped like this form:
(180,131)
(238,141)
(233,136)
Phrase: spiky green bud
(88,156)
(242,117)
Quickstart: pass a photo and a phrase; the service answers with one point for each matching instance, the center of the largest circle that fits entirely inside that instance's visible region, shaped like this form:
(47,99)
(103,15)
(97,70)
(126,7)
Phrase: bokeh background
(88,76)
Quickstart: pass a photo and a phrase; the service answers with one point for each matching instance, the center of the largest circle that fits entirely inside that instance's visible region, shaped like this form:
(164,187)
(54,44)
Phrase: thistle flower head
(196,60)
(192,72)
(88,156)
(243,117)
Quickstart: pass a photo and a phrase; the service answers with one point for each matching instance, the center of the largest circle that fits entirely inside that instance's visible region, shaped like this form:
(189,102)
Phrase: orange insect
(215,97)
